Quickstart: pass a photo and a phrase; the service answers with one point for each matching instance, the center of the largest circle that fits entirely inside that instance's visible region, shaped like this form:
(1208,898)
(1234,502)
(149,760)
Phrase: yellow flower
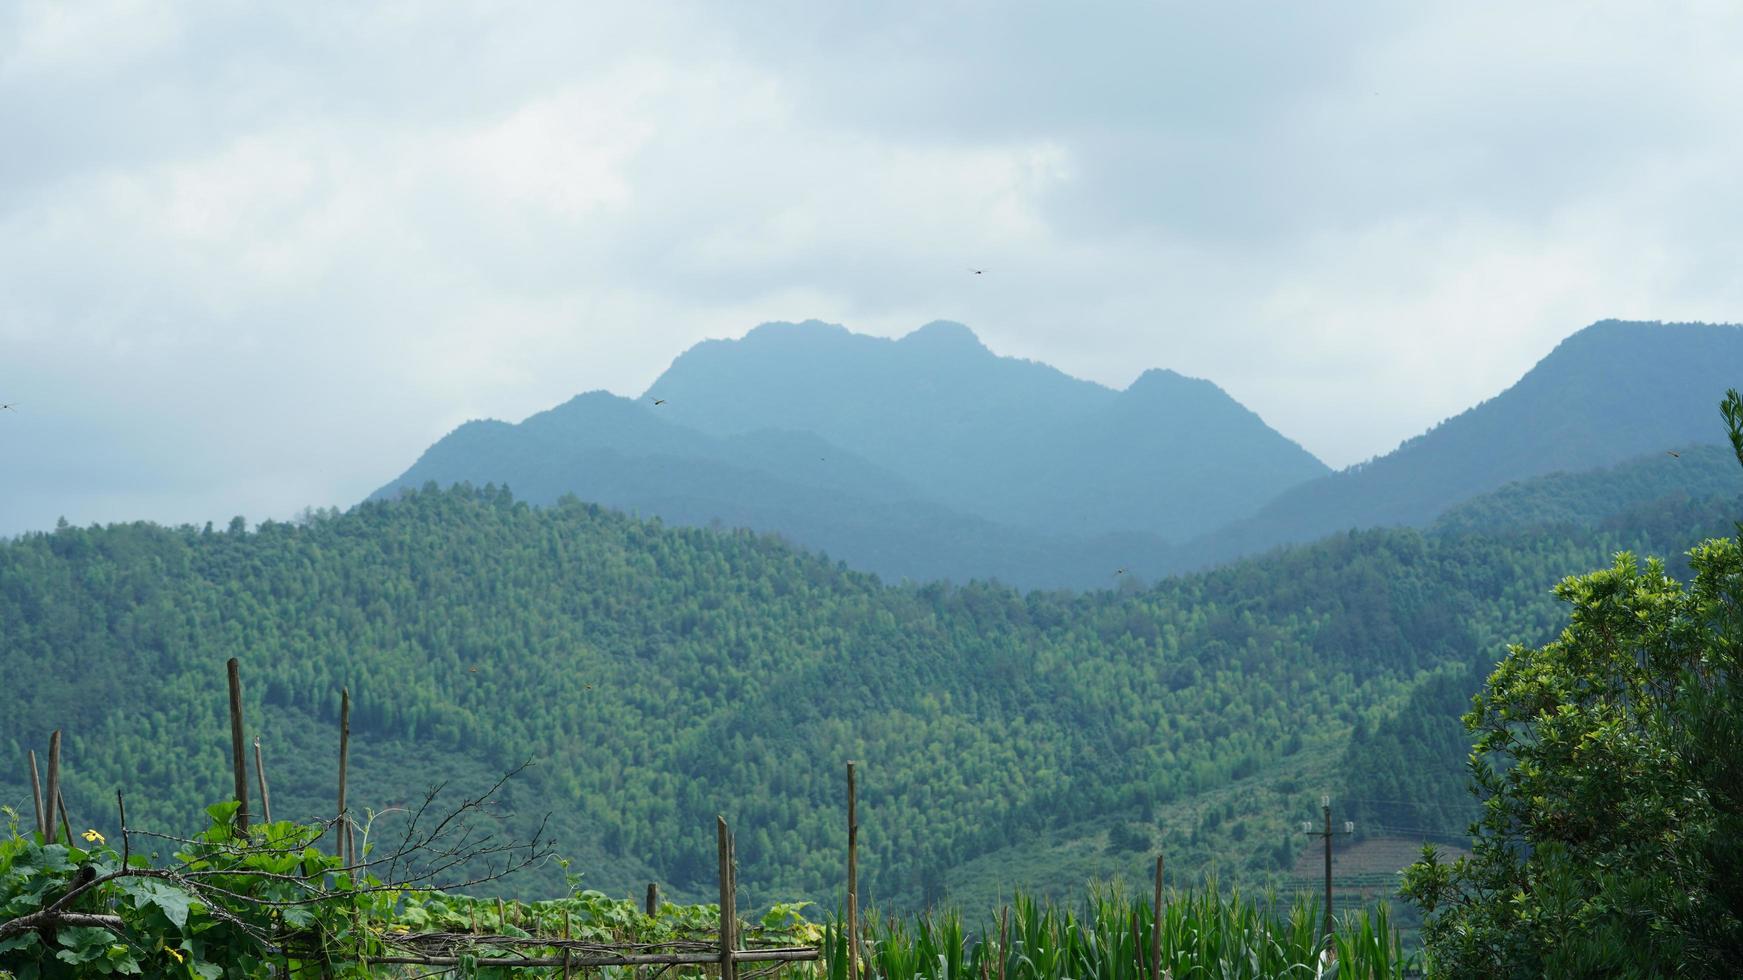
(178,954)
(92,835)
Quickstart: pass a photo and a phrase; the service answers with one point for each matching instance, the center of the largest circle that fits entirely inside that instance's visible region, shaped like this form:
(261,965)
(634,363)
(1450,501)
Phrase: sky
(253,260)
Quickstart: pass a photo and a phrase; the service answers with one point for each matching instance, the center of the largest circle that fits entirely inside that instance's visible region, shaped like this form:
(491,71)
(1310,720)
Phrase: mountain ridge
(930,456)
(1607,393)
(984,466)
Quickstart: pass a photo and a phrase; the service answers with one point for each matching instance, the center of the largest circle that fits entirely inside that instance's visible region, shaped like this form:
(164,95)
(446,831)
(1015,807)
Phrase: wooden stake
(260,778)
(1004,925)
(566,970)
(653,903)
(728,902)
(344,755)
(51,791)
(732,876)
(238,754)
(852,875)
(501,918)
(36,796)
(126,846)
(66,824)
(1328,920)
(1156,926)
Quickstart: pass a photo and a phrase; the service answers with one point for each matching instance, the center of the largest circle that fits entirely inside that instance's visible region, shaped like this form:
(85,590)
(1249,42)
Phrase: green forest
(657,676)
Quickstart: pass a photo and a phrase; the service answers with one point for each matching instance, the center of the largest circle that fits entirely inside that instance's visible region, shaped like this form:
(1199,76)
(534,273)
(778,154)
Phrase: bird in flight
(1120,572)
(1673,453)
(659,401)
(978,272)
(8,407)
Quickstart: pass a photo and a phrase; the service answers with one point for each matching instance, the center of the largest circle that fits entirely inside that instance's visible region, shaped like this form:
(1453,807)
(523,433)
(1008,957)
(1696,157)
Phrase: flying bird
(978,272)
(659,401)
(1674,453)
(8,407)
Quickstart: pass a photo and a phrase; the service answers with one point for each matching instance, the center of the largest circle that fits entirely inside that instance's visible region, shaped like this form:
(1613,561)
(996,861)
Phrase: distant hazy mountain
(1612,392)
(927,457)
(628,455)
(931,457)
(1009,440)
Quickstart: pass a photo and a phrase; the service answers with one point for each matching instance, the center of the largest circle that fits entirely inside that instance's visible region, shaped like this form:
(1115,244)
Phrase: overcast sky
(252,261)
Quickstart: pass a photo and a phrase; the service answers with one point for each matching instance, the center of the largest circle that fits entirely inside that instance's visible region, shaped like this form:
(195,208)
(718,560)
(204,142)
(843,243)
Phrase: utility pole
(1307,828)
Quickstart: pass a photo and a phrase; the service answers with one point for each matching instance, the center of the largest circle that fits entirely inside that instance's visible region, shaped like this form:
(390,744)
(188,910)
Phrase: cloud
(257,260)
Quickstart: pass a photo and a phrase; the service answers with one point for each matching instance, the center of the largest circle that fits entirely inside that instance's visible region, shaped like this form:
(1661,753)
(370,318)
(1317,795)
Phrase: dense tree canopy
(658,675)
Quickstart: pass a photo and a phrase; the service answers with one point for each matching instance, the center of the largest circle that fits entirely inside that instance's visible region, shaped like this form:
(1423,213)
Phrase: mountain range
(931,457)
(660,674)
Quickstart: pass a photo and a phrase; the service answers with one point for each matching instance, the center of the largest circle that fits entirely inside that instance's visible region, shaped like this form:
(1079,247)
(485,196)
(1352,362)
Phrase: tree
(1611,836)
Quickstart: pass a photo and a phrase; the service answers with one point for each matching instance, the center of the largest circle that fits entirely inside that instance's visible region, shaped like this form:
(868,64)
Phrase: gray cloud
(255,261)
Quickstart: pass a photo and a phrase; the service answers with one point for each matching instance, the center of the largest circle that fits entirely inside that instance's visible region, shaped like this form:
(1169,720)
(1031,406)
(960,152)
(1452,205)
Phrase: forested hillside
(1610,393)
(660,675)
(1656,481)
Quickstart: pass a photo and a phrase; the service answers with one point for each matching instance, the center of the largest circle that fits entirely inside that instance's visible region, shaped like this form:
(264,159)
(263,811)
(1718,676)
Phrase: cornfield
(1203,935)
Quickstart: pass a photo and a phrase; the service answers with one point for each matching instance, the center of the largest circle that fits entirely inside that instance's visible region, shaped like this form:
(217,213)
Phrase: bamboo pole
(344,755)
(852,875)
(51,791)
(728,902)
(260,778)
(36,796)
(238,754)
(1156,926)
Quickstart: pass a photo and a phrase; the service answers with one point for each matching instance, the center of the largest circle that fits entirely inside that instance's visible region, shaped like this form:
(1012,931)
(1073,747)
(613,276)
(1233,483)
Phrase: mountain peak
(944,335)
(1164,380)
(778,330)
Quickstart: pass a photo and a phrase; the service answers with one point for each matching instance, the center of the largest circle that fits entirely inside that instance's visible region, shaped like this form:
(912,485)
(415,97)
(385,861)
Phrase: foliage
(219,911)
(1609,841)
(243,906)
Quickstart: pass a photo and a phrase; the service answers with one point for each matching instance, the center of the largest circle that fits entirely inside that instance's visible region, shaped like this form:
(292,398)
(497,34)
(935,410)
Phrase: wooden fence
(452,949)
